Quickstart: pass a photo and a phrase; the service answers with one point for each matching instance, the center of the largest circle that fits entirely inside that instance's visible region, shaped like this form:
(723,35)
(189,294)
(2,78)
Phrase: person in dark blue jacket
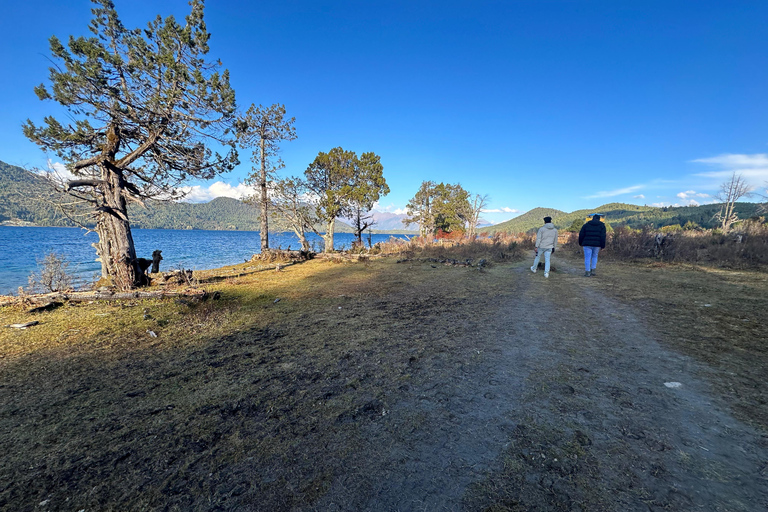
(592,239)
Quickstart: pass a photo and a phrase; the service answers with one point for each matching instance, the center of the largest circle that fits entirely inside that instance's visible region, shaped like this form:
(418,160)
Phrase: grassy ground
(163,404)
(719,317)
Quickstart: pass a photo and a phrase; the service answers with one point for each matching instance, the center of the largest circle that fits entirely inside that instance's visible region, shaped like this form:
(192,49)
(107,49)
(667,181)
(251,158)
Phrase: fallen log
(46,298)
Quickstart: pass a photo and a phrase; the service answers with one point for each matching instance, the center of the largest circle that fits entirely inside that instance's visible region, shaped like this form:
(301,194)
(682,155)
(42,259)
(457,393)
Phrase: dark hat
(547,219)
(596,216)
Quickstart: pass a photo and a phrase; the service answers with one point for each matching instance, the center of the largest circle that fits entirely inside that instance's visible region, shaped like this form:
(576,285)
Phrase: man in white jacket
(546,242)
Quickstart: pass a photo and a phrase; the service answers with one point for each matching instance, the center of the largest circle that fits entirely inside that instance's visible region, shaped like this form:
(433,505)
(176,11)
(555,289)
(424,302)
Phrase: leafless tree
(477,204)
(263,128)
(730,192)
(289,198)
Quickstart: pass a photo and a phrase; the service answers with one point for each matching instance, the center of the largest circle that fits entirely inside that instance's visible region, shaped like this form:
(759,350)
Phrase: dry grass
(227,401)
(500,248)
(744,248)
(715,315)
(237,399)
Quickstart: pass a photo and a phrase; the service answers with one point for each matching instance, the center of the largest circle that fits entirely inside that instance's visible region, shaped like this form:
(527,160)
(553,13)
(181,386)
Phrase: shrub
(747,248)
(53,274)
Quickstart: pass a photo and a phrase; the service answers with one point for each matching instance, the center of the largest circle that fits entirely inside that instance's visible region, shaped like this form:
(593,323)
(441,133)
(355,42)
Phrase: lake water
(22,247)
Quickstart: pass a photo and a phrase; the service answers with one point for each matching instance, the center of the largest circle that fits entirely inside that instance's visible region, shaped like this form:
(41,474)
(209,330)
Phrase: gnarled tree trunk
(115,247)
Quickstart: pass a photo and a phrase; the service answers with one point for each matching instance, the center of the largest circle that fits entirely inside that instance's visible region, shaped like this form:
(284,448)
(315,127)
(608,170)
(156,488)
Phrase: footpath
(567,402)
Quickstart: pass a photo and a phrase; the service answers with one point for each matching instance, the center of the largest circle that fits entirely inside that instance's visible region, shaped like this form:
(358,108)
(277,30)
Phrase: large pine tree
(146,106)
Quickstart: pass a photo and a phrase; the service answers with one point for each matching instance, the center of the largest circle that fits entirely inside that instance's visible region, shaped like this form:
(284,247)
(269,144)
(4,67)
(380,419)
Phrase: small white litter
(152,333)
(673,384)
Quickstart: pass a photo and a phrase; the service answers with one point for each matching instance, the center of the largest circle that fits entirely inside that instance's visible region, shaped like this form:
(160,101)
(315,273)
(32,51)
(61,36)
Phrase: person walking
(592,239)
(546,242)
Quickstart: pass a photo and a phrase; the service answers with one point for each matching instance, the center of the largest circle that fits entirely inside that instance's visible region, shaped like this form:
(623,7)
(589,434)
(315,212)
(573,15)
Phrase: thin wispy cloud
(505,209)
(639,196)
(617,192)
(753,168)
(733,161)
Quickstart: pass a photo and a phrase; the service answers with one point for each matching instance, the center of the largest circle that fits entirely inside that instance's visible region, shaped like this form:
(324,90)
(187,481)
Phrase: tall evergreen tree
(451,207)
(440,206)
(369,187)
(263,128)
(145,105)
(337,180)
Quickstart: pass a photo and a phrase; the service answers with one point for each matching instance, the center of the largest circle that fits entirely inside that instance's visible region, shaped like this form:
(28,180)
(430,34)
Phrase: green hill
(618,214)
(526,221)
(27,199)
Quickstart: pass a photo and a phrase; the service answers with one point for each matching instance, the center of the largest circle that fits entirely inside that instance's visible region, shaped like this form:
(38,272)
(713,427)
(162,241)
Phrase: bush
(53,275)
(745,248)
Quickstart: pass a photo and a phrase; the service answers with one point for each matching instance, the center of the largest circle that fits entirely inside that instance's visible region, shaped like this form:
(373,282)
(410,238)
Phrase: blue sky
(554,103)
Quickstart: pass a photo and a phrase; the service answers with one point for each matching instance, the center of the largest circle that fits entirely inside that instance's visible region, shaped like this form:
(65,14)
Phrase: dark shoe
(592,272)
(587,274)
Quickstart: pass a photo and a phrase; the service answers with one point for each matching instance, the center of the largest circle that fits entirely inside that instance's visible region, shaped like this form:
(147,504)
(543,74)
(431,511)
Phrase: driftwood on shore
(49,299)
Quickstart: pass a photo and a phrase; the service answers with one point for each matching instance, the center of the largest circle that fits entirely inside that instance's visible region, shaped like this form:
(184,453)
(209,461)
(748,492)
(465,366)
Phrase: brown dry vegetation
(311,388)
(744,248)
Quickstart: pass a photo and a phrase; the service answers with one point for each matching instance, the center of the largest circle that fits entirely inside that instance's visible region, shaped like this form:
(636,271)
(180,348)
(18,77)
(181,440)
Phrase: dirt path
(560,401)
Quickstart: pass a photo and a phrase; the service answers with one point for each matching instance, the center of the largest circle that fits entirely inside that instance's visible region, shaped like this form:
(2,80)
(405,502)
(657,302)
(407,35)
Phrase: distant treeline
(26,198)
(620,214)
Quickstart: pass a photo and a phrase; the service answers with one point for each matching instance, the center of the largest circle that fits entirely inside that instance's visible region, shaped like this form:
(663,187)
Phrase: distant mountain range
(623,214)
(26,199)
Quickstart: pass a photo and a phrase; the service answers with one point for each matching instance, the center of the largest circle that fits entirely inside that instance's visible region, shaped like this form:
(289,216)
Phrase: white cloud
(200,194)
(667,203)
(689,194)
(685,202)
(390,208)
(639,196)
(505,209)
(734,161)
(753,168)
(617,192)
(193,194)
(60,170)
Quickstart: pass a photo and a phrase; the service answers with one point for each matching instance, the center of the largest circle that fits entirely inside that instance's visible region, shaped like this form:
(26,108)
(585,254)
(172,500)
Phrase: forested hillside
(26,198)
(526,221)
(617,214)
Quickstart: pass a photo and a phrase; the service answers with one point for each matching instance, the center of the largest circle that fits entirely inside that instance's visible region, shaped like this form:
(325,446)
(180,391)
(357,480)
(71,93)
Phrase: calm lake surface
(21,248)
